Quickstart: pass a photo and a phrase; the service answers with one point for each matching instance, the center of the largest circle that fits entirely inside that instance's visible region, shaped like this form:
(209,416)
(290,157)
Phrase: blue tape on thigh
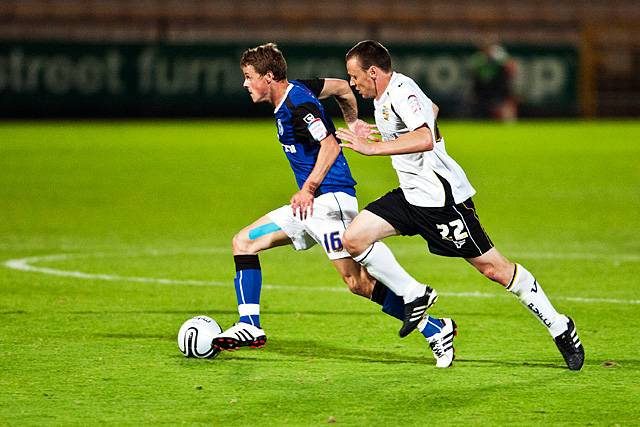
(262,230)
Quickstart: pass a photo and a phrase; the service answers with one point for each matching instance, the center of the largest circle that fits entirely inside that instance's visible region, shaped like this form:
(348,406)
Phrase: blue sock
(433,327)
(393,305)
(248,283)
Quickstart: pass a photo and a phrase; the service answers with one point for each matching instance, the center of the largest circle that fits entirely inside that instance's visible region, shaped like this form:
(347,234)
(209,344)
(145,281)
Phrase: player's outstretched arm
(416,141)
(343,94)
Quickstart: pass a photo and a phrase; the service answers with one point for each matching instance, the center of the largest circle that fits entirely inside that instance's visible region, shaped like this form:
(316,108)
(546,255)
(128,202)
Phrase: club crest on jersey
(280,128)
(386,110)
(414,103)
(317,129)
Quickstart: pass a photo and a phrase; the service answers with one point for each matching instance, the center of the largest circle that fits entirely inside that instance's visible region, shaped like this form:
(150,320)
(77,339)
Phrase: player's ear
(372,72)
(269,76)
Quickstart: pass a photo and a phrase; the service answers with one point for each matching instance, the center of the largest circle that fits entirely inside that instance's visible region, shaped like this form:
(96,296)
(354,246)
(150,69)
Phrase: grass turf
(120,202)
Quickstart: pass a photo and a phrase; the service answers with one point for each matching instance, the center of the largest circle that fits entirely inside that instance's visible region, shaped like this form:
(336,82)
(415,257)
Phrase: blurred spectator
(493,72)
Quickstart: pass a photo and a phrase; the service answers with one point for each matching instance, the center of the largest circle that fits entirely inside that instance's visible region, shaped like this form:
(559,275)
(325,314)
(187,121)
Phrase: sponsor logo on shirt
(414,103)
(289,148)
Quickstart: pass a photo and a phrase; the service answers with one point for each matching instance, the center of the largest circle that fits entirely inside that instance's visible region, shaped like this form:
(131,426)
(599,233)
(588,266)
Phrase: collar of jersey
(394,76)
(286,93)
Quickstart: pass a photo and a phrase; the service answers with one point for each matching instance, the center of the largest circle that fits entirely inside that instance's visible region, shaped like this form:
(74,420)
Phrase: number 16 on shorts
(332,242)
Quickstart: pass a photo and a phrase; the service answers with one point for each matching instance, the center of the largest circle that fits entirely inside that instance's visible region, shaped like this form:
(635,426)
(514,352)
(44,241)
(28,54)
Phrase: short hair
(265,58)
(370,53)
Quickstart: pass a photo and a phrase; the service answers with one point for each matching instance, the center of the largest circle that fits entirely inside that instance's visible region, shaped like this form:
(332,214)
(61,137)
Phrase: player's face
(361,79)
(255,84)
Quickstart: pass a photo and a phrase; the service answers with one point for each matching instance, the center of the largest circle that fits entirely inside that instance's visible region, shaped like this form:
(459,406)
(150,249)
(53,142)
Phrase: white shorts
(332,213)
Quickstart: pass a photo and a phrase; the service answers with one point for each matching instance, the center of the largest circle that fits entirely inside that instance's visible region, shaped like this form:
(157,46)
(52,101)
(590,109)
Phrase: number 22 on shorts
(458,230)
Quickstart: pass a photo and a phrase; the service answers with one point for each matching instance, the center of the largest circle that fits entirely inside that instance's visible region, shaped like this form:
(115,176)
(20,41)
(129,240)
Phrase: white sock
(528,290)
(381,264)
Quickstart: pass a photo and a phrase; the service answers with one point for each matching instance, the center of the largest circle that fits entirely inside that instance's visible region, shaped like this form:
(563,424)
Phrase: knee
(242,245)
(354,244)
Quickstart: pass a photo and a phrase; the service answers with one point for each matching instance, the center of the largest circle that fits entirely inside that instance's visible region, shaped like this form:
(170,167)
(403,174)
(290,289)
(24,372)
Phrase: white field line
(27,264)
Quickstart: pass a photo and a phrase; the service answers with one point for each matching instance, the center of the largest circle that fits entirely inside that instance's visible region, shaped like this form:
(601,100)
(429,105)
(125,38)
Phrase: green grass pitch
(113,234)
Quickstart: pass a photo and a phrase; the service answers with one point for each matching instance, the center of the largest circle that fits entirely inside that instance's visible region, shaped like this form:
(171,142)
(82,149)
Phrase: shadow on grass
(304,351)
(322,350)
(295,350)
(502,363)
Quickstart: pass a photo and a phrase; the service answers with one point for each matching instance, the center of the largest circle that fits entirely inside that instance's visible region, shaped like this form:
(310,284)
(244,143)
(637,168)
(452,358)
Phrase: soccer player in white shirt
(434,197)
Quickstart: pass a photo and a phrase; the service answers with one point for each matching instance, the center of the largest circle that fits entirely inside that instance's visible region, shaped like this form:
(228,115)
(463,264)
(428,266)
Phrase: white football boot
(441,343)
(240,335)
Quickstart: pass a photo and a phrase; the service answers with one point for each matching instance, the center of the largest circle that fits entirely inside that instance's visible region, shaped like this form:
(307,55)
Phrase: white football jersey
(425,177)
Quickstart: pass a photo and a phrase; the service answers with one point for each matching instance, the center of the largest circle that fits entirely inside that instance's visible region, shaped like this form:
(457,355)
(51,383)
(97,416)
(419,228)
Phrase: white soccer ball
(195,337)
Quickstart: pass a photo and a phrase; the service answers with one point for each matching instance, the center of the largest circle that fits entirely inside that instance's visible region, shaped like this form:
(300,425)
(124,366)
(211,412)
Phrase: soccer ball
(195,337)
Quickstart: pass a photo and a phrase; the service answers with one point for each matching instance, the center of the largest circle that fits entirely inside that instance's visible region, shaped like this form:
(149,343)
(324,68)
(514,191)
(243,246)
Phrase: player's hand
(357,143)
(365,130)
(302,204)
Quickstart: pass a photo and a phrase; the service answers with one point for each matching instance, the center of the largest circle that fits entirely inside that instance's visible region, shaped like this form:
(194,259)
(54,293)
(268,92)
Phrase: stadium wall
(159,79)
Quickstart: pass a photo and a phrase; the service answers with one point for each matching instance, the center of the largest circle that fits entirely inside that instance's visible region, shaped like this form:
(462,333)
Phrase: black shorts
(452,230)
